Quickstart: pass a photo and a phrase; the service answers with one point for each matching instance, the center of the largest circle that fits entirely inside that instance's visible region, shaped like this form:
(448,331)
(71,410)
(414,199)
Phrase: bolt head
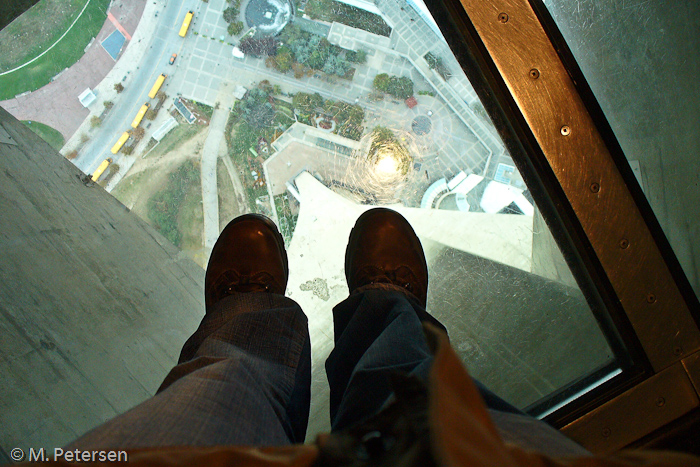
(503,17)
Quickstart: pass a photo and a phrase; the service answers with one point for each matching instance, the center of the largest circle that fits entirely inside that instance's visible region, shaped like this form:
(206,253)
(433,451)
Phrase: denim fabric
(243,379)
(244,376)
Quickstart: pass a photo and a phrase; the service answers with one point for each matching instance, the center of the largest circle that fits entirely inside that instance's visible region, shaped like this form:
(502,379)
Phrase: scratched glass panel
(643,71)
(311,112)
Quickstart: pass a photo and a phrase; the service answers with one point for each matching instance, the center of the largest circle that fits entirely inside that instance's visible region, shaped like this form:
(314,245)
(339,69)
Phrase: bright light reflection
(387,165)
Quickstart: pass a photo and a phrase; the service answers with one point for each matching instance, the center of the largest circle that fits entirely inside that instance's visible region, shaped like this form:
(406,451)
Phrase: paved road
(164,42)
(210,153)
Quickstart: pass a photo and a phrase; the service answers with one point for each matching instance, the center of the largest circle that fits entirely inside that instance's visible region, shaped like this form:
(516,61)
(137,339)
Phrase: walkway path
(210,152)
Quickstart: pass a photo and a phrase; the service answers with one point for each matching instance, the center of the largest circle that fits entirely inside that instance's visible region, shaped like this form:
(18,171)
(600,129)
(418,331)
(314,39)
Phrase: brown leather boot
(383,248)
(249,256)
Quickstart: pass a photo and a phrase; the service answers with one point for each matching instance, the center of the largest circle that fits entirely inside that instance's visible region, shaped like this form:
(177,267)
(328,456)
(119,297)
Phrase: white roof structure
(87,97)
(163,130)
(499,195)
(239,92)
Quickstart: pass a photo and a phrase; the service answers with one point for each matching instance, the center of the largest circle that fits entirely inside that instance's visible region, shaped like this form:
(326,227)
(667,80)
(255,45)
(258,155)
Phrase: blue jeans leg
(377,331)
(243,379)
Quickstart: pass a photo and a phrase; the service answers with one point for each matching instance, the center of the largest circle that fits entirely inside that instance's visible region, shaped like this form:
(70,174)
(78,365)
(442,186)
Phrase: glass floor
(311,113)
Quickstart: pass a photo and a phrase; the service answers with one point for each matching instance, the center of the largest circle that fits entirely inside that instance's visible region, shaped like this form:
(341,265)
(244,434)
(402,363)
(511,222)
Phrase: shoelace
(401,276)
(231,282)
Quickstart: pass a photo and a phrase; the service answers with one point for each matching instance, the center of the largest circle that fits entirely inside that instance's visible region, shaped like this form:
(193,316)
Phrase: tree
(72,155)
(335,66)
(359,56)
(230,14)
(119,87)
(235,28)
(95,121)
(138,133)
(401,88)
(307,103)
(258,47)
(108,104)
(161,96)
(284,59)
(257,109)
(151,114)
(381,82)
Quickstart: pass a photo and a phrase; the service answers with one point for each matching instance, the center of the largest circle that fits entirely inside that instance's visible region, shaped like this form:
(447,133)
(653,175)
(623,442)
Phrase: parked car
(172,59)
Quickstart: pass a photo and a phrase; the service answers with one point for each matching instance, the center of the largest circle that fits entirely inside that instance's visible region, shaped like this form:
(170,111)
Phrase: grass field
(176,211)
(176,137)
(65,54)
(48,134)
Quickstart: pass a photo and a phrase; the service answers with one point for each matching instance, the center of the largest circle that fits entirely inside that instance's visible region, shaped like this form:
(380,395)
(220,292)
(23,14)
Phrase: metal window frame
(568,155)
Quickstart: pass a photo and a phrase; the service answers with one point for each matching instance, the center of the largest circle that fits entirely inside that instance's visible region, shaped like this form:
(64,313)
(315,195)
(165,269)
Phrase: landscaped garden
(331,10)
(66,52)
(263,115)
(348,118)
(174,209)
(302,52)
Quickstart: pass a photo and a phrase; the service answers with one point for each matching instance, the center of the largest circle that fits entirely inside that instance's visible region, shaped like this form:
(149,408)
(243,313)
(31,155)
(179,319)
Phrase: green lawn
(65,54)
(176,211)
(35,30)
(48,134)
(175,137)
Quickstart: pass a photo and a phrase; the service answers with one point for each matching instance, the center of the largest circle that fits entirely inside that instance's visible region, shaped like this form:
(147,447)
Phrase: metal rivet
(606,432)
(565,130)
(595,187)
(651,298)
(660,401)
(503,18)
(624,243)
(534,73)
(677,351)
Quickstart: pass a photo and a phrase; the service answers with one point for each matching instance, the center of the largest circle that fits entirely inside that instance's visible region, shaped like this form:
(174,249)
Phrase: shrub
(399,87)
(119,87)
(151,114)
(235,28)
(108,104)
(95,121)
(72,155)
(359,56)
(257,109)
(230,14)
(138,133)
(259,47)
(84,138)
(436,63)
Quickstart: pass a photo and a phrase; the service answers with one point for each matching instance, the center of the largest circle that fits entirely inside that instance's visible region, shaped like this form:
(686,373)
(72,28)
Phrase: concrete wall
(94,304)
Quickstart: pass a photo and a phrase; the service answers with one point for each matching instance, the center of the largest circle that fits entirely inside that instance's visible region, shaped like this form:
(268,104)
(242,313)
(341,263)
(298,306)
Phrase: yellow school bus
(139,116)
(100,170)
(156,86)
(120,142)
(186,24)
